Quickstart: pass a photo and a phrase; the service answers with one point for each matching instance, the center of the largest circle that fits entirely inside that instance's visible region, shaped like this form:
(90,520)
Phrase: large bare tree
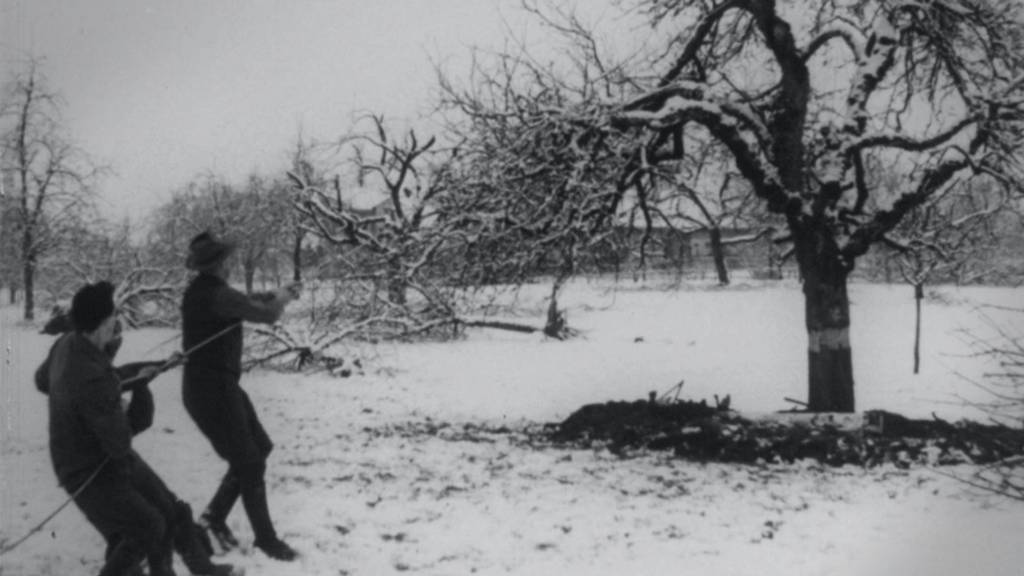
(51,176)
(800,95)
(936,81)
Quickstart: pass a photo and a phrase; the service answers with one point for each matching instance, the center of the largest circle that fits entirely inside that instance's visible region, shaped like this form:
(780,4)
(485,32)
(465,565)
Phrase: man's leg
(254,498)
(211,411)
(188,538)
(214,518)
(115,507)
(193,544)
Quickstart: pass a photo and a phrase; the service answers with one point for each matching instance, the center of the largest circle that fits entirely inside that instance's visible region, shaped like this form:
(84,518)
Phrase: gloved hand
(147,373)
(176,359)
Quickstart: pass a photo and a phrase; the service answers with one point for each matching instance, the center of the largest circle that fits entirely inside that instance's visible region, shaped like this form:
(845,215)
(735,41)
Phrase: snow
(395,471)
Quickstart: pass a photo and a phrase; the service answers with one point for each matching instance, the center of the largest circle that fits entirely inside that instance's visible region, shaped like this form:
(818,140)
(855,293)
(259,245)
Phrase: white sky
(162,90)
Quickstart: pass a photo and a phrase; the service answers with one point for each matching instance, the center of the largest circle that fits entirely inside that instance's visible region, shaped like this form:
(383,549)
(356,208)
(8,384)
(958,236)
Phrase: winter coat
(210,306)
(87,423)
(210,384)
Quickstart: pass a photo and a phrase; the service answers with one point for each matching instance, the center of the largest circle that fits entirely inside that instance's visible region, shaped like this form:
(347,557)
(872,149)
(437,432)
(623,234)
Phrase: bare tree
(946,239)
(52,177)
(544,174)
(305,167)
(10,270)
(705,195)
(257,217)
(396,239)
(1002,347)
(147,292)
(802,95)
(254,215)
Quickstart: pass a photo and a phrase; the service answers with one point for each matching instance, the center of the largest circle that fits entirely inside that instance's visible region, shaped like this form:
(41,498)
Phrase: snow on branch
(676,110)
(843,30)
(748,238)
(934,180)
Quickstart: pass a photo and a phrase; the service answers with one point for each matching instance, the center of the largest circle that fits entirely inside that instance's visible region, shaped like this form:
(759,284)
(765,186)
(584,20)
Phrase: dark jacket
(210,306)
(87,424)
(210,384)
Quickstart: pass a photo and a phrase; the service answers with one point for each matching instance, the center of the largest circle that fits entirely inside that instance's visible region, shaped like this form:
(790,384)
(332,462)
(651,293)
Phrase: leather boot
(161,565)
(214,519)
(277,549)
(193,545)
(254,497)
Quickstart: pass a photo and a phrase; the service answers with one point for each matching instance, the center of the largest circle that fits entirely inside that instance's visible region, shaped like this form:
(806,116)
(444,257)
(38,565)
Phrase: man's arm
(100,406)
(133,372)
(261,309)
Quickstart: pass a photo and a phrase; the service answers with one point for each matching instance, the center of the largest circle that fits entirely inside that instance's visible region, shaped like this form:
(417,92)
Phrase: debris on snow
(699,431)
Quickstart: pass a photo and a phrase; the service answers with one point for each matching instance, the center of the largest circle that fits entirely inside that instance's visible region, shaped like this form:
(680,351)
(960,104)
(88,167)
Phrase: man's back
(87,423)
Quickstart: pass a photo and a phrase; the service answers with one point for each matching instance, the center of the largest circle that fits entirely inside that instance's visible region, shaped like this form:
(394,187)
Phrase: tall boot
(123,558)
(214,519)
(161,564)
(136,570)
(254,498)
(161,555)
(192,543)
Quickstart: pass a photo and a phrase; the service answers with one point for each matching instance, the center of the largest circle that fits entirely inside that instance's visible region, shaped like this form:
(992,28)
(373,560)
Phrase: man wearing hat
(213,397)
(90,437)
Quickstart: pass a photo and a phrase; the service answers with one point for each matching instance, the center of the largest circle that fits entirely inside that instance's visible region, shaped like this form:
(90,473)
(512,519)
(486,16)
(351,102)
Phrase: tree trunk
(774,261)
(555,326)
(28,282)
(249,270)
(918,296)
(718,254)
(827,318)
(396,282)
(297,257)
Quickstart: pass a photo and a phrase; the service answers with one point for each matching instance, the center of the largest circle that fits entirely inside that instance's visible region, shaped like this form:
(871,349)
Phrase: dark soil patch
(698,431)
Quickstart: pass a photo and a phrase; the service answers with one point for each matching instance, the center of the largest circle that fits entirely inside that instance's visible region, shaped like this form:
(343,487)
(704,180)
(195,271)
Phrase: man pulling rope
(214,398)
(90,445)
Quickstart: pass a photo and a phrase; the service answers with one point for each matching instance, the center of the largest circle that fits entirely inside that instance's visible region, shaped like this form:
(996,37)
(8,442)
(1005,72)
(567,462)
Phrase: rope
(38,527)
(166,365)
(161,344)
(172,362)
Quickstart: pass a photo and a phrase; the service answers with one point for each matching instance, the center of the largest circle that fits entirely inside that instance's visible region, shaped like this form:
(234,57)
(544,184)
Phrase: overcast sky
(162,90)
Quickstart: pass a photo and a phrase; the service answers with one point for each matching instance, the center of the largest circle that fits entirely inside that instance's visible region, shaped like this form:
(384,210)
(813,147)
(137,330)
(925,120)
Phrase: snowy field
(399,471)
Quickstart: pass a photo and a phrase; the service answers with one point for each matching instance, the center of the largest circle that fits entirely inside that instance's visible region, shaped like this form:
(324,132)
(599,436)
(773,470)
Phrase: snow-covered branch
(842,30)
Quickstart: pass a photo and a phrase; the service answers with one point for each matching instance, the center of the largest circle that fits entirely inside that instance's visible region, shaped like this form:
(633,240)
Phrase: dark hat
(91,305)
(205,252)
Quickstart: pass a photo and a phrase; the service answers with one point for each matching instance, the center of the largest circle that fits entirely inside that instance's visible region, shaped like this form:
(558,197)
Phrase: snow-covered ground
(394,471)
